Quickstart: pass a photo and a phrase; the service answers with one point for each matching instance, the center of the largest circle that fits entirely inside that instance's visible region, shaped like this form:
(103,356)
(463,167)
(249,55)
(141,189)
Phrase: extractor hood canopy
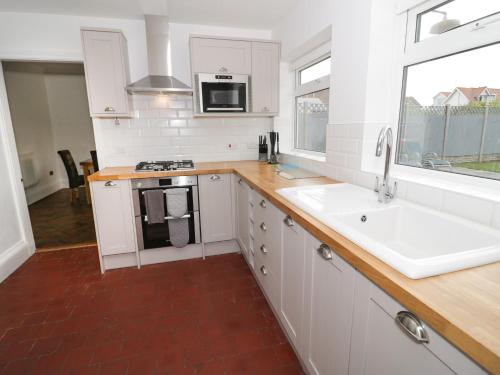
(158,81)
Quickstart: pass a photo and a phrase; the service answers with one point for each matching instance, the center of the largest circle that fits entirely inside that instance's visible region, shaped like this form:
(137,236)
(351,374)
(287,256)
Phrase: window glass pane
(311,121)
(315,71)
(451,114)
(453,14)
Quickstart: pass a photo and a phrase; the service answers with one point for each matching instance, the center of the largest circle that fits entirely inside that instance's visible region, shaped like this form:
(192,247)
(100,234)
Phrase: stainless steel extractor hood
(158,81)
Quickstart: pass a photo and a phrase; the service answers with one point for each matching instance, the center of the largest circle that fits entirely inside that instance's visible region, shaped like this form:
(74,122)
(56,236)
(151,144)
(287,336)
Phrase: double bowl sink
(415,240)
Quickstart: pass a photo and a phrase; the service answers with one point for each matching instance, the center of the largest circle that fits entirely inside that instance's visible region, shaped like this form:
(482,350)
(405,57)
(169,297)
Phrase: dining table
(87,167)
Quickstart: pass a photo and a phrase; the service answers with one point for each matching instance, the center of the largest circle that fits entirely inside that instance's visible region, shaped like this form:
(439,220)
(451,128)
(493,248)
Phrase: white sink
(417,241)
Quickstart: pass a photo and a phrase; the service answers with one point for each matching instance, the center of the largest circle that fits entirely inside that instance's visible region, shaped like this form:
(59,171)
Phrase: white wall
(32,128)
(25,36)
(16,239)
(69,118)
(49,113)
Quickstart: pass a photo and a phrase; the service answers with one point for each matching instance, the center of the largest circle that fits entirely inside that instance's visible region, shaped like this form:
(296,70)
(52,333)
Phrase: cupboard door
(329,300)
(106,74)
(292,279)
(216,207)
(220,56)
(265,77)
(379,344)
(114,216)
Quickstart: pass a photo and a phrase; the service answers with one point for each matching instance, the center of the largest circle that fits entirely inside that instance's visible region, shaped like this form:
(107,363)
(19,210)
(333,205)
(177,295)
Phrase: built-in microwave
(222,92)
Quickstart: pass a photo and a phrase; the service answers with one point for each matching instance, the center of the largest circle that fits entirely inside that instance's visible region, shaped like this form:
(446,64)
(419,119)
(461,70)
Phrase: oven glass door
(158,235)
(224,97)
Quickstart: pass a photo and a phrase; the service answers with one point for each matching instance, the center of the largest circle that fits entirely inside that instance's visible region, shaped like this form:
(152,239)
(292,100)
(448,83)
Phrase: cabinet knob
(263,227)
(215,177)
(325,252)
(263,249)
(240,181)
(109,109)
(110,183)
(263,270)
(223,69)
(263,203)
(265,109)
(412,326)
(288,221)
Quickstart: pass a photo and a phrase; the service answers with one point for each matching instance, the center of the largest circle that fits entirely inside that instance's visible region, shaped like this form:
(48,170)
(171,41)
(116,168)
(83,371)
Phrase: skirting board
(119,261)
(222,247)
(12,258)
(170,254)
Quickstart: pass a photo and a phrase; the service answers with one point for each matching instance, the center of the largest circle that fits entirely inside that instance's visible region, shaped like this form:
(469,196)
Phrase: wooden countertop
(464,306)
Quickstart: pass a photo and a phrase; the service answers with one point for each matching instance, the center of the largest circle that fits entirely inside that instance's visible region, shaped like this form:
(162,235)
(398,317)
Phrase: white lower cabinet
(114,217)
(329,300)
(216,209)
(292,279)
(380,345)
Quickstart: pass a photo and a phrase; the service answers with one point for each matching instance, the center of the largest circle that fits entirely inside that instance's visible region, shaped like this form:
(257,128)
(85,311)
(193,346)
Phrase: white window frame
(473,35)
(319,54)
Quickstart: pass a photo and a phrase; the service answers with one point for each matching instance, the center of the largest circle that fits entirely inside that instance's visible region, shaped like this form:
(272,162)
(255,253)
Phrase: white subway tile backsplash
(163,127)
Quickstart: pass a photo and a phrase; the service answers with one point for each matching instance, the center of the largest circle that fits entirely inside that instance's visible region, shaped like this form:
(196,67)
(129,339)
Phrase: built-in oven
(158,235)
(222,92)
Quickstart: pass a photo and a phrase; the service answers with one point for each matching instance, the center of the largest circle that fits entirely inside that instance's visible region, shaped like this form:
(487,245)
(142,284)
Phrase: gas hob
(169,165)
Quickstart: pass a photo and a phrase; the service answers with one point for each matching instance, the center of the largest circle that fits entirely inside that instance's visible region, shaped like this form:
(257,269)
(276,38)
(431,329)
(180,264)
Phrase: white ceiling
(263,14)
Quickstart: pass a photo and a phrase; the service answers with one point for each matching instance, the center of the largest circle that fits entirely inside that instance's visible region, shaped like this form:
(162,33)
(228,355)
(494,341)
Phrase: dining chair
(75,180)
(95,163)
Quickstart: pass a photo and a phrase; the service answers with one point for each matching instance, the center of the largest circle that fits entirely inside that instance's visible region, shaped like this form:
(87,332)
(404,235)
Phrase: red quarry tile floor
(59,315)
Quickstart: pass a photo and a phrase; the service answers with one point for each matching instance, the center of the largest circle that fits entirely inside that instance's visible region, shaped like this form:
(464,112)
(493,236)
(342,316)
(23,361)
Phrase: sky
(480,67)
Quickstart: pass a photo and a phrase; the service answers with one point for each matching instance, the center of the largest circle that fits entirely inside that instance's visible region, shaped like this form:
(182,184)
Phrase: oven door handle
(165,190)
(169,217)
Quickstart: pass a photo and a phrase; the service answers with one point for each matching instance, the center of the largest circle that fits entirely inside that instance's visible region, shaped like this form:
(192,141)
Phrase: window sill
(316,157)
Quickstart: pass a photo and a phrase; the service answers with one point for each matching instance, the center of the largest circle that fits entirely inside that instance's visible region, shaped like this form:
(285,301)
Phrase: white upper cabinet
(114,216)
(329,300)
(106,72)
(216,207)
(380,345)
(265,77)
(220,56)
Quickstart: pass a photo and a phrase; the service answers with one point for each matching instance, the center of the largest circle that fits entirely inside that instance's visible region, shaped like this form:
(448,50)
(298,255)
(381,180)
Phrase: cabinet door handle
(288,221)
(263,270)
(263,227)
(215,177)
(109,109)
(412,326)
(325,252)
(110,183)
(263,203)
(263,249)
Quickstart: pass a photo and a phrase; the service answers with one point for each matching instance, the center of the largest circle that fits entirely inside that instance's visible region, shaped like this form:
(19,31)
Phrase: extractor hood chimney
(158,81)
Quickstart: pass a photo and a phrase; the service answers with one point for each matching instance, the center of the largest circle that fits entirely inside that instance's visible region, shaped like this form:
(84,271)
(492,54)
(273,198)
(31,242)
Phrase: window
(450,109)
(311,106)
(452,14)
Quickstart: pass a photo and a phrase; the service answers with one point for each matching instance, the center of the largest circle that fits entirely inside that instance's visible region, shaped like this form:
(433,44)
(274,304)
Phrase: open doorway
(55,141)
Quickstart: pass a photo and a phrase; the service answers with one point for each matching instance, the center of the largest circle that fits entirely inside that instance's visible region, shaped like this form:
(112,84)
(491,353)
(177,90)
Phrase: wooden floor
(59,224)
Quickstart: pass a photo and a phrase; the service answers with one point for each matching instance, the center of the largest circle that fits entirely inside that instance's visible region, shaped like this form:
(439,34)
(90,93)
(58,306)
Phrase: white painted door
(216,206)
(379,344)
(265,77)
(329,300)
(106,74)
(292,279)
(220,56)
(242,214)
(114,216)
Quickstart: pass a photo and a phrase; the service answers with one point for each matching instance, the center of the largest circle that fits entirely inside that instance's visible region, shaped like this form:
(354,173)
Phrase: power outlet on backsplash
(51,173)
